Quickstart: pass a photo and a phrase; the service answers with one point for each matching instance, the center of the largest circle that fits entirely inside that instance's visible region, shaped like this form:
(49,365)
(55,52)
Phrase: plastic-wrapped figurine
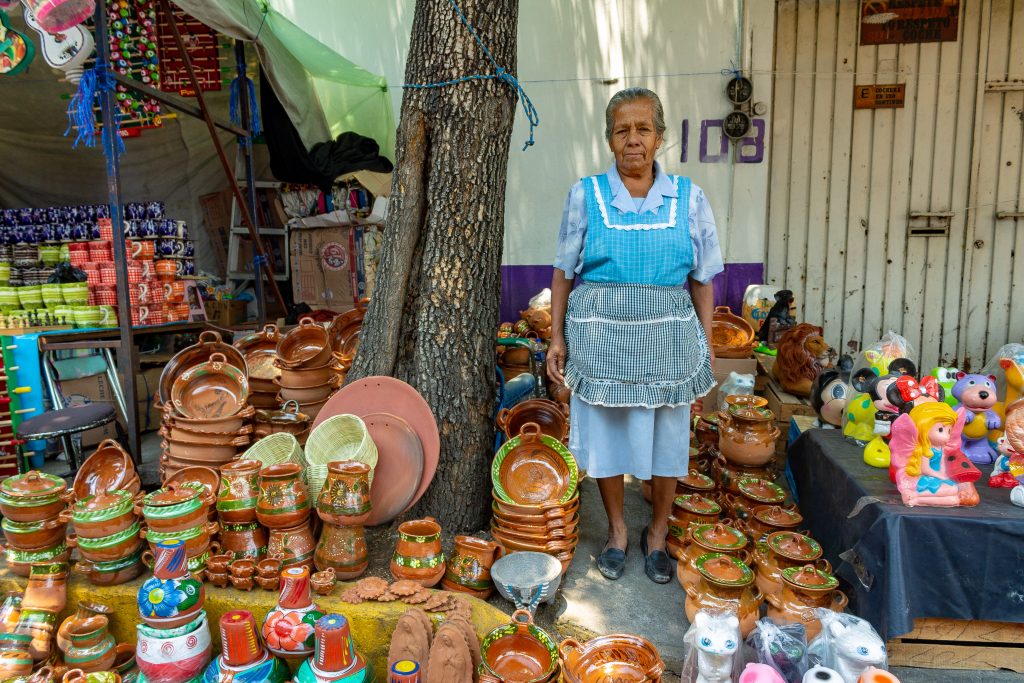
(713,648)
(783,647)
(978,396)
(778,319)
(822,674)
(760,673)
(946,377)
(865,380)
(923,443)
(1014,436)
(847,644)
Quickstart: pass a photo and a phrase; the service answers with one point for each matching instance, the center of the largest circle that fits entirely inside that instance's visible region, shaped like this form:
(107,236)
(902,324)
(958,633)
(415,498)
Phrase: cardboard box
(96,389)
(722,367)
(323,267)
(226,313)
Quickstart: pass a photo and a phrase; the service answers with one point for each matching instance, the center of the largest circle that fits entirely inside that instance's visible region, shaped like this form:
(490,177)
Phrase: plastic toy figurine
(924,442)
(821,674)
(802,356)
(760,673)
(716,639)
(977,394)
(946,377)
(778,319)
(848,645)
(865,380)
(1000,477)
(831,392)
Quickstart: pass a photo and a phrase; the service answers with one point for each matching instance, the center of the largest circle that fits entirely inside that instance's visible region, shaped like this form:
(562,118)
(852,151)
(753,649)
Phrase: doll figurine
(1001,477)
(923,444)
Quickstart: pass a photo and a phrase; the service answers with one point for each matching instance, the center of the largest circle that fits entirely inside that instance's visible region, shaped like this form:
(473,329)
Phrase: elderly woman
(630,341)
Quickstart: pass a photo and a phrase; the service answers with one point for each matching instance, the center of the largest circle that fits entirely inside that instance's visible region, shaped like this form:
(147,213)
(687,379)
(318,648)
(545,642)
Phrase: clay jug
(239,492)
(345,497)
(47,587)
(342,548)
(172,596)
(91,647)
(469,569)
(294,546)
(288,627)
(747,432)
(805,589)
(85,610)
(418,555)
(283,501)
(243,540)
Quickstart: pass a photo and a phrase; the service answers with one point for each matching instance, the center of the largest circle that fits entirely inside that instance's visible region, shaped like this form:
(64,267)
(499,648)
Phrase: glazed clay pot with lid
(747,431)
(725,585)
(729,475)
(31,535)
(695,482)
(103,514)
(804,590)
(782,550)
(173,509)
(108,548)
(752,493)
(33,496)
(710,538)
(767,519)
(687,510)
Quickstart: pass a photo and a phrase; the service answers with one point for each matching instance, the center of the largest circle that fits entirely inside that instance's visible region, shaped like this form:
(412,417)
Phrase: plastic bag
(782,647)
(713,647)
(859,417)
(1011,377)
(734,385)
(541,299)
(847,644)
(65,272)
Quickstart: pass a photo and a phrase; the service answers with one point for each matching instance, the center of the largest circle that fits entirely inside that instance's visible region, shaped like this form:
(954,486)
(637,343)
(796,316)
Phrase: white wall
(567,50)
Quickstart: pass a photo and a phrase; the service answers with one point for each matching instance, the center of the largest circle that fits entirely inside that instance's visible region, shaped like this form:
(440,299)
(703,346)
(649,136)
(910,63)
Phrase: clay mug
(218,579)
(323,581)
(241,583)
(242,568)
(418,555)
(469,569)
(269,567)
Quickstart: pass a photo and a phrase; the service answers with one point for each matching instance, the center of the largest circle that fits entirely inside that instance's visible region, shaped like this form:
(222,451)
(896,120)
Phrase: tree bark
(434,313)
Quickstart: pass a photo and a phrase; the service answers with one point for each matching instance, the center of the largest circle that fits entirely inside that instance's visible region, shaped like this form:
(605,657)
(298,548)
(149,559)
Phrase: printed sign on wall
(879,96)
(884,22)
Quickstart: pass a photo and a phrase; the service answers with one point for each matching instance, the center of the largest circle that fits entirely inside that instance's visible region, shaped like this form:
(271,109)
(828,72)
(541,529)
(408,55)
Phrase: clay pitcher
(91,647)
(85,610)
(239,492)
(418,555)
(345,497)
(342,548)
(283,501)
(469,569)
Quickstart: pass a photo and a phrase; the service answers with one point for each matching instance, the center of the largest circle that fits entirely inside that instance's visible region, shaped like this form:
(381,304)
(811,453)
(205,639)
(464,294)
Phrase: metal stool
(65,423)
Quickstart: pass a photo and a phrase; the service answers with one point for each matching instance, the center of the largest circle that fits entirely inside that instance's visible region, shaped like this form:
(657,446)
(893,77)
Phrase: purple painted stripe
(519,283)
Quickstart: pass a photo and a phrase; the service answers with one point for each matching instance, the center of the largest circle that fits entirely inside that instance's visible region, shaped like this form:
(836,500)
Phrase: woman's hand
(556,360)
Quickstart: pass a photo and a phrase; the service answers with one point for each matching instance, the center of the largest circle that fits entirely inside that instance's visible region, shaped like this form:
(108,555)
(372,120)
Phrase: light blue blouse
(573,231)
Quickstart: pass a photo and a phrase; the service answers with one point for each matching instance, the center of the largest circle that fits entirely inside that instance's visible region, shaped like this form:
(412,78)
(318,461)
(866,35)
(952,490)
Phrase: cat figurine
(856,646)
(716,640)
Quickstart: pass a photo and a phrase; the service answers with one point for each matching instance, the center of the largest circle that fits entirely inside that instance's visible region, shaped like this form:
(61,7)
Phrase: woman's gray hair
(632,95)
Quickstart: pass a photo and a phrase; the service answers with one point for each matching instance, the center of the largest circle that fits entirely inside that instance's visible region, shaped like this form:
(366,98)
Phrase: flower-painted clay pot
(747,432)
(243,540)
(85,610)
(29,535)
(293,546)
(111,548)
(345,496)
(283,501)
(242,653)
(469,569)
(288,629)
(91,647)
(33,496)
(418,556)
(336,658)
(103,514)
(174,509)
(172,597)
(519,651)
(343,549)
(239,492)
(709,538)
(175,655)
(725,585)
(805,589)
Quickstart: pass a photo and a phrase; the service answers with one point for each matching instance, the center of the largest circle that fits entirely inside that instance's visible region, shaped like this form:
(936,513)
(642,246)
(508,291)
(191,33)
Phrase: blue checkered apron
(636,341)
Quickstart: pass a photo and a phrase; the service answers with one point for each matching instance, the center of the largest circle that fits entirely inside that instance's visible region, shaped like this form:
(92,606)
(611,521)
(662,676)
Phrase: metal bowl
(527,578)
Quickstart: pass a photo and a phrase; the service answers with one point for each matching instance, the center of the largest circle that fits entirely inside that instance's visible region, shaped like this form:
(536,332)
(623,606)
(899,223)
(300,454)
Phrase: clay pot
(186,437)
(343,550)
(109,468)
(231,424)
(618,657)
(688,510)
(28,535)
(239,637)
(805,589)
(242,583)
(15,658)
(550,510)
(46,589)
(767,519)
(323,581)
(103,514)
(108,548)
(239,491)
(294,545)
(418,556)
(519,651)
(197,539)
(695,482)
(729,475)
(548,415)
(243,540)
(270,583)
(218,579)
(335,656)
(174,509)
(124,662)
(91,647)
(283,501)
(345,496)
(218,563)
(725,585)
(85,610)
(20,561)
(469,568)
(242,568)
(547,530)
(111,573)
(784,549)
(705,429)
(287,419)
(309,394)
(269,567)
(709,538)
(170,570)
(753,493)
(190,454)
(176,655)
(305,345)
(33,497)
(747,432)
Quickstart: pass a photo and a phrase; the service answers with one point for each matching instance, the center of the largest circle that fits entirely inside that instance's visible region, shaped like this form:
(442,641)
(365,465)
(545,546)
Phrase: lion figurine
(802,355)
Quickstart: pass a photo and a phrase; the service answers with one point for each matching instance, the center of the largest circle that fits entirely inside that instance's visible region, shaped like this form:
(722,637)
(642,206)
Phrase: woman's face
(634,140)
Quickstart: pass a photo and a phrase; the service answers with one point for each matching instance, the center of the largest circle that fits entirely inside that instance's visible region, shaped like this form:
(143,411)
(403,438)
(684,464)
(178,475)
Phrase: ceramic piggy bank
(831,392)
(977,395)
(716,640)
(921,441)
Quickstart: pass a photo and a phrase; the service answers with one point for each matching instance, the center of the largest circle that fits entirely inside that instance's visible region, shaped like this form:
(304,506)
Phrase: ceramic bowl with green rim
(519,651)
(724,570)
(32,496)
(534,468)
(112,573)
(104,514)
(165,633)
(174,509)
(31,535)
(109,548)
(20,561)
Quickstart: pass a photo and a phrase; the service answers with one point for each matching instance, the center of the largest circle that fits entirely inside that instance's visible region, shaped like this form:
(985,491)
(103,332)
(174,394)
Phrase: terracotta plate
(399,469)
(372,395)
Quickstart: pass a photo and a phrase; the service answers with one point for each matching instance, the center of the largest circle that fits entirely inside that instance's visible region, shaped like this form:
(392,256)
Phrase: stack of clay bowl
(260,351)
(344,333)
(180,513)
(310,372)
(32,504)
(536,498)
(288,419)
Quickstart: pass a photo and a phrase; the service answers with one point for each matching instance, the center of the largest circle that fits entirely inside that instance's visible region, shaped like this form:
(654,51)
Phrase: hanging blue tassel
(81,116)
(235,108)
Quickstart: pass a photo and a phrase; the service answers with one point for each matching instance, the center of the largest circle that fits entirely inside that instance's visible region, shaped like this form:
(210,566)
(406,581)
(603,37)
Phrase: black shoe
(657,564)
(611,563)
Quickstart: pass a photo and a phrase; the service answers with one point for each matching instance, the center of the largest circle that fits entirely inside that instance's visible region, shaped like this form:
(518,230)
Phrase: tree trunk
(434,313)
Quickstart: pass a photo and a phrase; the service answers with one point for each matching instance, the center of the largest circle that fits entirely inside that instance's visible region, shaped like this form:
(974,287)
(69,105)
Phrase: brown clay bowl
(268,583)
(305,378)
(210,390)
(188,436)
(106,469)
(532,534)
(311,394)
(198,454)
(29,535)
(108,549)
(305,345)
(22,568)
(551,547)
(259,350)
(266,386)
(731,335)
(313,409)
(529,524)
(610,658)
(344,332)
(223,425)
(209,343)
(173,465)
(546,414)
(547,510)
(262,400)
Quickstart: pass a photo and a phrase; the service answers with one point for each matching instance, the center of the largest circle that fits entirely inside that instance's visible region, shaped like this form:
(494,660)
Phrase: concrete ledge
(372,622)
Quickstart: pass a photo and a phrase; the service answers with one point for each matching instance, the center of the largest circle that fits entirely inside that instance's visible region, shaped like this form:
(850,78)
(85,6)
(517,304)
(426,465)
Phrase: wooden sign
(881,96)
(884,22)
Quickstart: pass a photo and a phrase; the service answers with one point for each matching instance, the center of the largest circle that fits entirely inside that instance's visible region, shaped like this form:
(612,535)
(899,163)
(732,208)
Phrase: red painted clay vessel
(345,496)
(343,549)
(283,501)
(469,569)
(294,546)
(239,492)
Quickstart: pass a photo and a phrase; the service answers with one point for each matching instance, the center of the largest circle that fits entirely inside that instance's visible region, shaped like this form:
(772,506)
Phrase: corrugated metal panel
(845,183)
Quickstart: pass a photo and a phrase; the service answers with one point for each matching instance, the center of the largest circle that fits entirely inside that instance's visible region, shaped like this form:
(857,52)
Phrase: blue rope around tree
(499,75)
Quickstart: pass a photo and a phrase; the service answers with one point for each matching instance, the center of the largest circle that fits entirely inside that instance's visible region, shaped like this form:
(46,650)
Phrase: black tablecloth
(908,563)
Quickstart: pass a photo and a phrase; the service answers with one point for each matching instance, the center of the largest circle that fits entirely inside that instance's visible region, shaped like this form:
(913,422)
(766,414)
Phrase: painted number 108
(715,146)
